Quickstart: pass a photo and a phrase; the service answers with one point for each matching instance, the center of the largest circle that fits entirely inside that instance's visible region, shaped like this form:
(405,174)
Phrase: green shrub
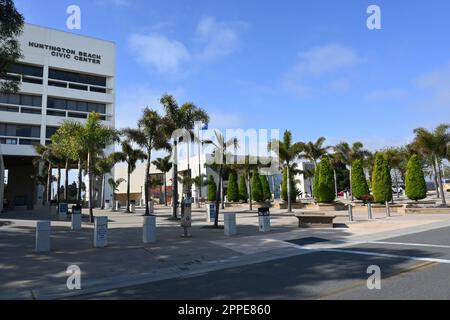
(233,189)
(257,190)
(212,189)
(284,194)
(359,182)
(266,188)
(243,192)
(326,191)
(416,187)
(381,180)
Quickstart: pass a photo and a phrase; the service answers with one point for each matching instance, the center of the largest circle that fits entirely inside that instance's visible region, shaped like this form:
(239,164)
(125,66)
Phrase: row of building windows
(71,105)
(27,70)
(21,100)
(19,130)
(76,77)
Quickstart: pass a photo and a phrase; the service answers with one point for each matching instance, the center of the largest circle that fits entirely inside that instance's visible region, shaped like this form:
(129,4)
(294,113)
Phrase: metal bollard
(230,224)
(369,210)
(350,212)
(43,236)
(388,210)
(149,230)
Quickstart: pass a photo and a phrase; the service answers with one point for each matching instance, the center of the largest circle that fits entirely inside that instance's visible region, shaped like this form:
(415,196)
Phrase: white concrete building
(63,76)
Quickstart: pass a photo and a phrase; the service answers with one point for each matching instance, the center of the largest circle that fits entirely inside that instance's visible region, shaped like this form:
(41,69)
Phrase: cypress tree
(359,182)
(316,182)
(284,193)
(381,180)
(266,188)
(212,189)
(326,192)
(257,190)
(233,189)
(243,192)
(416,187)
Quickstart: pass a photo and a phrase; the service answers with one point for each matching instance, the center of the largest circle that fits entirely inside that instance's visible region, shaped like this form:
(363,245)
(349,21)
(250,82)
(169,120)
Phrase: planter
(335,206)
(284,205)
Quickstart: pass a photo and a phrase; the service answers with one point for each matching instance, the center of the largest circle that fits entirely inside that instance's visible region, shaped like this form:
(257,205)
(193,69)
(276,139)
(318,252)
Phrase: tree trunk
(49,183)
(249,192)
(351,183)
(222,194)
(175,181)
(441,186)
(288,184)
(103,192)
(396,184)
(80,182)
(58,185)
(128,189)
(165,189)
(91,202)
(435,176)
(147,182)
(66,182)
(335,183)
(219,190)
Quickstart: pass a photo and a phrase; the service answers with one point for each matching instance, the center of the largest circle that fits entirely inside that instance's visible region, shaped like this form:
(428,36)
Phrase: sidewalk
(26,274)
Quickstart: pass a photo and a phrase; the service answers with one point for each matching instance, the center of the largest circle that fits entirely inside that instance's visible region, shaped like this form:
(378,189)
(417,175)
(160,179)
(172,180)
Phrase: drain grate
(307,241)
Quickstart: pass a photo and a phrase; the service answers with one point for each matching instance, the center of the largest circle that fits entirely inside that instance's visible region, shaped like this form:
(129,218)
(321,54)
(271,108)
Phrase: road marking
(412,244)
(376,254)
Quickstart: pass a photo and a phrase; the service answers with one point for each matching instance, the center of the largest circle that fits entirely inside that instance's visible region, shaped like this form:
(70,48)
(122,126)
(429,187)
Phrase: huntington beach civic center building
(62,76)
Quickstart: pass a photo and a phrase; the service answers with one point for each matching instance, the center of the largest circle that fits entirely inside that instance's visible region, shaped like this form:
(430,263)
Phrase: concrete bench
(315,220)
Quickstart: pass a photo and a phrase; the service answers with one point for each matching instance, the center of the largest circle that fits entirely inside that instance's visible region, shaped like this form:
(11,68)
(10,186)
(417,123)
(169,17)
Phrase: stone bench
(315,220)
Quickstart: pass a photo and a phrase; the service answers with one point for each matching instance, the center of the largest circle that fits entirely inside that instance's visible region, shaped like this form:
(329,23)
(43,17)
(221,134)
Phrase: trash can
(76,217)
(211,212)
(107,204)
(264,219)
(132,206)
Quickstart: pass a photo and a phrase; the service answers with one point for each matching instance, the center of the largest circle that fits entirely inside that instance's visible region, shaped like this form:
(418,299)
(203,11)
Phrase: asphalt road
(416,266)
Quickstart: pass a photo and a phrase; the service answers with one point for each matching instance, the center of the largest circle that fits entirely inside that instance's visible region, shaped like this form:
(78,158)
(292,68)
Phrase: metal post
(369,210)
(350,212)
(388,210)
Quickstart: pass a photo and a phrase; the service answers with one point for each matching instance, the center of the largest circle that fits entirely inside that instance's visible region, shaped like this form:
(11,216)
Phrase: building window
(50,131)
(26,69)
(21,99)
(81,106)
(77,77)
(19,130)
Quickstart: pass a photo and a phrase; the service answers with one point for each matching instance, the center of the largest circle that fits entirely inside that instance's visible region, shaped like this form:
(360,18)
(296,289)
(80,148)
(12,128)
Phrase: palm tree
(220,155)
(46,154)
(434,146)
(335,162)
(247,168)
(348,155)
(176,118)
(313,151)
(164,165)
(130,156)
(114,185)
(199,182)
(103,166)
(150,135)
(397,160)
(287,152)
(94,136)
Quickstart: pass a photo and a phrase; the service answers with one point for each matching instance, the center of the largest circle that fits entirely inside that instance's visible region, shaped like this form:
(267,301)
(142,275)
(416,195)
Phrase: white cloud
(160,53)
(436,85)
(218,39)
(316,70)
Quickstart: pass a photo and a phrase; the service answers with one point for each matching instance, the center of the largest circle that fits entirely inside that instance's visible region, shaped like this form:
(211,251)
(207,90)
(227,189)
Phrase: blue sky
(309,66)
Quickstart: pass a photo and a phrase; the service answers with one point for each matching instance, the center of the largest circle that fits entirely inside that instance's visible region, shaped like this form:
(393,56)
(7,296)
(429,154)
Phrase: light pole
(2,179)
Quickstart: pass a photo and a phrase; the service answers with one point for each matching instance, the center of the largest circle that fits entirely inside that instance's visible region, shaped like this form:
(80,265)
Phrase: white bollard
(149,234)
(151,206)
(230,224)
(350,212)
(369,210)
(388,210)
(264,219)
(210,212)
(116,206)
(101,232)
(76,218)
(132,207)
(43,236)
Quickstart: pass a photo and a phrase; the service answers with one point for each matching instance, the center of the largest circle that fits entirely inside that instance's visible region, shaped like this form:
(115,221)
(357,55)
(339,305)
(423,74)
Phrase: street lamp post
(2,179)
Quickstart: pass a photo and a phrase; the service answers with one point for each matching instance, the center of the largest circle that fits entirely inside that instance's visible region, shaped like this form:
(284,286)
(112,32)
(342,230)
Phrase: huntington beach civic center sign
(66,53)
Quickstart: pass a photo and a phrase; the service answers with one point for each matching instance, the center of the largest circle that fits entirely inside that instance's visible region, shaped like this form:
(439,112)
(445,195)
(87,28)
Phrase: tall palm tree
(114,185)
(397,160)
(150,135)
(46,154)
(247,168)
(94,136)
(220,154)
(335,162)
(434,146)
(164,165)
(287,153)
(103,166)
(348,154)
(130,156)
(176,118)
(313,151)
